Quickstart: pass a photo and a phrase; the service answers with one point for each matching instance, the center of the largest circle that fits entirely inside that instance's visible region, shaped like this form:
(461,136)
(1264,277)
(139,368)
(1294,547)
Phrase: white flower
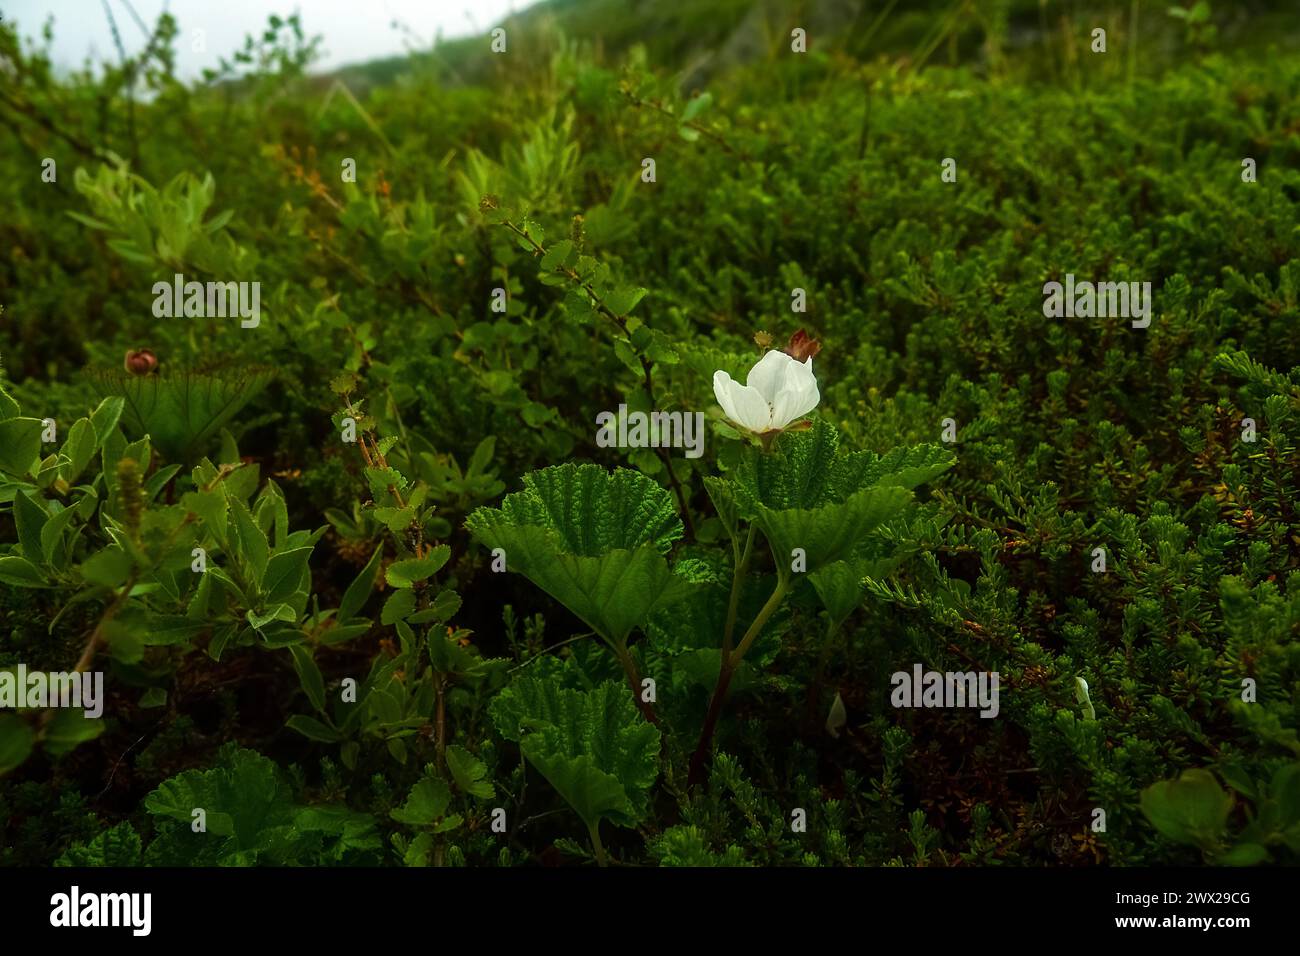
(778,390)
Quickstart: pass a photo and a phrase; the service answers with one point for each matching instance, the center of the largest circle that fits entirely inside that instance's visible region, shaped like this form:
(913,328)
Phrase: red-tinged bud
(140,362)
(802,346)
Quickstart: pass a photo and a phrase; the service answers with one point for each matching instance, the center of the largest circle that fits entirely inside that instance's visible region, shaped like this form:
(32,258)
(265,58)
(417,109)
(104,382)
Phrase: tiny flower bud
(763,339)
(140,362)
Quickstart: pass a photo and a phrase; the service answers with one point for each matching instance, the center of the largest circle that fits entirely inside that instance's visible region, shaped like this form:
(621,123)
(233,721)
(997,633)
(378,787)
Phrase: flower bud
(140,361)
(802,346)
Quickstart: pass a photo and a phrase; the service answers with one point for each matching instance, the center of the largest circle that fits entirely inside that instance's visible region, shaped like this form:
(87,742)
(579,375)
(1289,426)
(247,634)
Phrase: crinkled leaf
(182,411)
(119,846)
(592,510)
(594,746)
(613,593)
(831,532)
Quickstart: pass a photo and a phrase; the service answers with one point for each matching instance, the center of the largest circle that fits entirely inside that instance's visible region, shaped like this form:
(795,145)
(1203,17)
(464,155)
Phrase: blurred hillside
(701,39)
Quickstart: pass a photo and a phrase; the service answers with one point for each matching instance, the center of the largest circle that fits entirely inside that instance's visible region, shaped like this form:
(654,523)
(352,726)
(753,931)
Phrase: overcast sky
(353,30)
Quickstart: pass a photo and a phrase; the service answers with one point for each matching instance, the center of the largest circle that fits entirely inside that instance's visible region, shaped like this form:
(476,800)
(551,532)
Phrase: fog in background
(352,31)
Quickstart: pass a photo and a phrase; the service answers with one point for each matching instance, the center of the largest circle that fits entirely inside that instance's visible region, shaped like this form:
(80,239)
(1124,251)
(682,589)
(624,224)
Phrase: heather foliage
(366,589)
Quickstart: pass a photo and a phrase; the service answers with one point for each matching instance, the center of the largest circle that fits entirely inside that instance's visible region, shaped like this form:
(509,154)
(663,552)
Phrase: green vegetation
(366,589)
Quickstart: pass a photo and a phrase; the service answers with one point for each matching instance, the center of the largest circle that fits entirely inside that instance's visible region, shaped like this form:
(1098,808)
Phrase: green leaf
(398,607)
(426,803)
(594,747)
(119,846)
(108,568)
(153,697)
(697,106)
(593,510)
(309,676)
(29,518)
(213,509)
(67,729)
(20,445)
(1192,809)
(252,540)
(8,407)
(411,571)
(15,742)
(807,495)
(182,411)
(622,301)
(839,585)
(832,532)
(80,448)
(469,772)
(22,573)
(591,539)
(557,255)
(444,606)
(105,418)
(1244,854)
(276,612)
(354,598)
(313,729)
(724,502)
(241,799)
(285,573)
(1285,791)
(613,593)
(52,533)
(593,793)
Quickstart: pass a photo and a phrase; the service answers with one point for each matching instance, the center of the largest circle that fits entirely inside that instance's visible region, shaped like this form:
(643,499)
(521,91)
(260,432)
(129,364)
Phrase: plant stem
(773,602)
(594,830)
(729,664)
(815,688)
(695,776)
(634,681)
(737,585)
(92,645)
(440,722)
(440,736)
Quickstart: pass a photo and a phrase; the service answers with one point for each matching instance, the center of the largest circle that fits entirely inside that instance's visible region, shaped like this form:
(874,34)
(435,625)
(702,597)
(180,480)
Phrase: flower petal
(771,374)
(798,398)
(743,405)
(722,386)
